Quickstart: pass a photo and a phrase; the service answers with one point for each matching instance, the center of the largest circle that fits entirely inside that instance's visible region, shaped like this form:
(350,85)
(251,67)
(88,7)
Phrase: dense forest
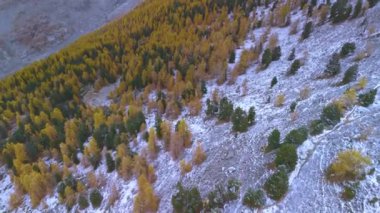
(161,55)
(169,46)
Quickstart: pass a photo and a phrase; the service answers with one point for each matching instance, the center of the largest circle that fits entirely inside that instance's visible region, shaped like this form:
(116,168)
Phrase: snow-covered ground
(241,156)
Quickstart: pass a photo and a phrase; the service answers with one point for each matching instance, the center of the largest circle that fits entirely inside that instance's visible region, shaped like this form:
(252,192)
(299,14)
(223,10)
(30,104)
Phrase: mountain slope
(242,156)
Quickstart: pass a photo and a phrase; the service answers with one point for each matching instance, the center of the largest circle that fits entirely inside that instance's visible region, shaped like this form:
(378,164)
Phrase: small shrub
(348,193)
(276,54)
(347,49)
(185,167)
(307,30)
(187,200)
(323,12)
(273,41)
(254,199)
(350,75)
(368,98)
(304,93)
(292,55)
(293,106)
(297,136)
(277,185)
(15,200)
(333,67)
(316,127)
(362,83)
(287,156)
(96,198)
(114,196)
(280,100)
(273,82)
(331,115)
(273,140)
(349,166)
(199,155)
(83,202)
(294,27)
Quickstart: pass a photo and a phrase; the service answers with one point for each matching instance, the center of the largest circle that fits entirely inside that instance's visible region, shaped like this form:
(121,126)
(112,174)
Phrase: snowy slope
(241,156)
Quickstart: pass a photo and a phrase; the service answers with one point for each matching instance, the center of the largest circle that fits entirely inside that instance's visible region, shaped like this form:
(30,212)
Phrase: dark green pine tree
(157,125)
(333,67)
(358,8)
(110,163)
(226,109)
(267,58)
(251,116)
(239,120)
(307,30)
(368,98)
(273,82)
(273,140)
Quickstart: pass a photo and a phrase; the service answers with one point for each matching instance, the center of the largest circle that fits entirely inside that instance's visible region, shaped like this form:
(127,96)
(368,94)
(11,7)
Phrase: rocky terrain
(33,29)
(241,156)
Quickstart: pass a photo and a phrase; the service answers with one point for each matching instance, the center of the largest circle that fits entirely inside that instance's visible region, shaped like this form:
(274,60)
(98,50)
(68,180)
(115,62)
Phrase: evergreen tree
(358,8)
(331,115)
(340,11)
(273,140)
(307,30)
(316,127)
(267,58)
(273,82)
(225,109)
(157,125)
(110,163)
(231,60)
(239,120)
(297,136)
(276,54)
(294,67)
(347,48)
(203,87)
(83,202)
(212,108)
(96,198)
(254,199)
(277,185)
(187,200)
(293,106)
(251,116)
(287,156)
(350,75)
(333,67)
(368,98)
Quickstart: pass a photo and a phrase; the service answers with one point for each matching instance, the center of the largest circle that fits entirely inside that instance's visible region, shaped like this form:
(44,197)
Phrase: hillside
(254,106)
(31,30)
